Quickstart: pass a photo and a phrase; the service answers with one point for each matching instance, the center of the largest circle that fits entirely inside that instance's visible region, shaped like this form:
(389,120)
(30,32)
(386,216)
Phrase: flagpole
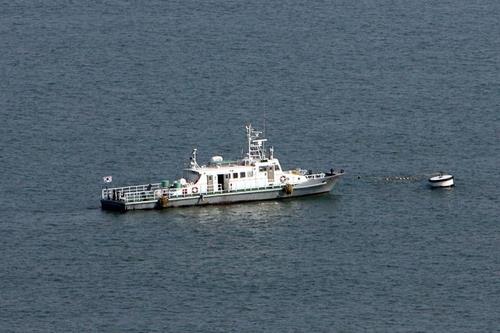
(107,179)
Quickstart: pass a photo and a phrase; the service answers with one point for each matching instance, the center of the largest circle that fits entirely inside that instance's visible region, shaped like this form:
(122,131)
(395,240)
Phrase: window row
(242,174)
(267,168)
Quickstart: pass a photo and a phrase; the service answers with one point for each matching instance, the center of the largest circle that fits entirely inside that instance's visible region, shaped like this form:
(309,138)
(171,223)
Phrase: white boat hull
(311,187)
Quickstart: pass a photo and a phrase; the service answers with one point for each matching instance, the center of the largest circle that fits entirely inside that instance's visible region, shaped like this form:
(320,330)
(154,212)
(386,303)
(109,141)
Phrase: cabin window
(235,175)
(262,169)
(191,176)
(227,175)
(242,175)
(250,173)
(276,167)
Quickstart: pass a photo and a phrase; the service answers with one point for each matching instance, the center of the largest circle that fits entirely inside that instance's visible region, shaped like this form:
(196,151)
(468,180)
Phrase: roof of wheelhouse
(256,154)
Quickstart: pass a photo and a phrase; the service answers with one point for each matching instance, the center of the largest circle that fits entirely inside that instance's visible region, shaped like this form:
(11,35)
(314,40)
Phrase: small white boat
(442,180)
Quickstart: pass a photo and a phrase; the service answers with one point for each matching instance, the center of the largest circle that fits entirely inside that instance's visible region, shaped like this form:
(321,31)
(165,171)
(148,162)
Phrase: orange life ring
(194,190)
(282,179)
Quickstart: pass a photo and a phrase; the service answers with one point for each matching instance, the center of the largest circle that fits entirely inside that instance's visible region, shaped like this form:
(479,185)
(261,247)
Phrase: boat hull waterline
(273,193)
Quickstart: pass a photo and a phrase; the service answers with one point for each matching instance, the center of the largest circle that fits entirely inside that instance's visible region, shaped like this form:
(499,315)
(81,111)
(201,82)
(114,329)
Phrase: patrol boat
(258,175)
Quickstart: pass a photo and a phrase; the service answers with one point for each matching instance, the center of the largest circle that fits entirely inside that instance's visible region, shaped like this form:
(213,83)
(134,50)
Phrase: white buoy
(442,180)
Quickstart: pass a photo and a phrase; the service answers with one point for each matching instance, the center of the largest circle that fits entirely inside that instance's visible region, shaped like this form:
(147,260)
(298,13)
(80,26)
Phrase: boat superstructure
(258,175)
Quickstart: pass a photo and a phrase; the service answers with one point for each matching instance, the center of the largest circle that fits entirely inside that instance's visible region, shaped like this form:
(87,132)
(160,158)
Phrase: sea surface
(390,91)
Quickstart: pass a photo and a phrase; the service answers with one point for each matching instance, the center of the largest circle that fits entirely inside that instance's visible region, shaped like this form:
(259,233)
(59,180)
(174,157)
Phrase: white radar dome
(216,159)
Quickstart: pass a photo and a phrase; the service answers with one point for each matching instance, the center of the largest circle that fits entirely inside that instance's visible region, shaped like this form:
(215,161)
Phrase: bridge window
(191,176)
(235,175)
(242,174)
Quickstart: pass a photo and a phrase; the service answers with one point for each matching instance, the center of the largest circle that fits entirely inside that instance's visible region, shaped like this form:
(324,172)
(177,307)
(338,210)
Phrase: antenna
(264,127)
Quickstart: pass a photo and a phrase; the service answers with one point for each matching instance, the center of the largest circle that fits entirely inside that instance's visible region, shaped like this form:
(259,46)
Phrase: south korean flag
(107,179)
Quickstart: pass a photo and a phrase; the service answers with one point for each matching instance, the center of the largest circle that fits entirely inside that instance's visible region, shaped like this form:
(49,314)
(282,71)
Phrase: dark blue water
(391,91)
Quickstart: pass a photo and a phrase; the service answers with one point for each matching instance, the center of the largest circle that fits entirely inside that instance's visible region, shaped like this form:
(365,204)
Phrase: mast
(256,150)
(192,160)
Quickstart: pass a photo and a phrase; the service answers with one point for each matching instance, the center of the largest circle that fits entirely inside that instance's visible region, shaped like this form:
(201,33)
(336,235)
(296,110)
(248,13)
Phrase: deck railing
(315,176)
(131,193)
(150,193)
